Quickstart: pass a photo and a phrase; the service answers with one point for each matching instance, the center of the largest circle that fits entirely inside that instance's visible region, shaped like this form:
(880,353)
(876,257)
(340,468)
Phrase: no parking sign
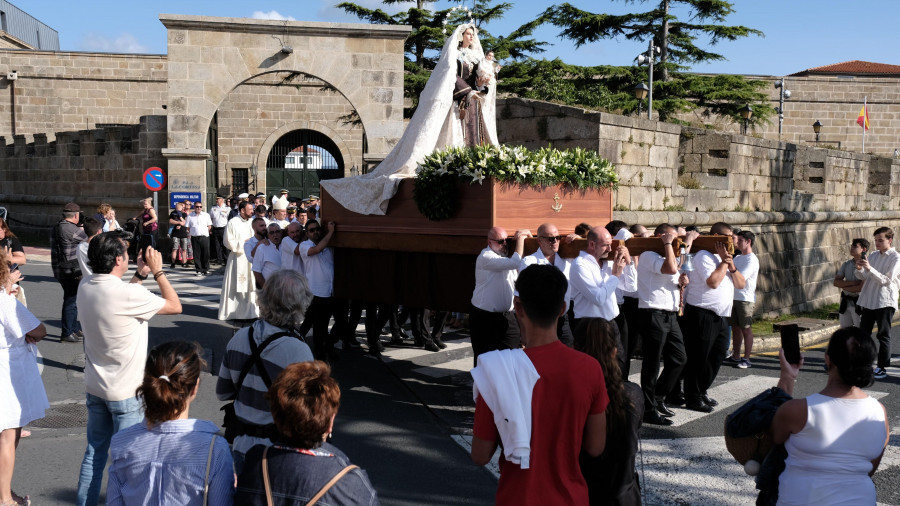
(154,179)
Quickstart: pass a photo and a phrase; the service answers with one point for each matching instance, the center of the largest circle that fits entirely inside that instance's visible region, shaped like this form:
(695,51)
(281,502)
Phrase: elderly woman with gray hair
(257,354)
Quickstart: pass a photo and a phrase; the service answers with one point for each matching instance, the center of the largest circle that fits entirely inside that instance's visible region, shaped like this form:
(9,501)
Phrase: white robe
(435,125)
(238,298)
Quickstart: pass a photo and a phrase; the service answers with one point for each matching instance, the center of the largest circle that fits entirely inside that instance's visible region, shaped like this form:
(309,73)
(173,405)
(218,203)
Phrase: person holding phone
(834,439)
(880,272)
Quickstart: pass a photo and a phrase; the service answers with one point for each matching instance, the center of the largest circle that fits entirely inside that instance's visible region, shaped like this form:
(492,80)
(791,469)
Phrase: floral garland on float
(438,176)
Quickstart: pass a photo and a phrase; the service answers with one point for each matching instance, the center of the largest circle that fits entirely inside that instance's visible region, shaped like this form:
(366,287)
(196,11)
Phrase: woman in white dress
(834,439)
(21,388)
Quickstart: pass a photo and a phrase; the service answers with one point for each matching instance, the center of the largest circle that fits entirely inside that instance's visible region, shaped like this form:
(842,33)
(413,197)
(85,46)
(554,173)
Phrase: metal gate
(299,160)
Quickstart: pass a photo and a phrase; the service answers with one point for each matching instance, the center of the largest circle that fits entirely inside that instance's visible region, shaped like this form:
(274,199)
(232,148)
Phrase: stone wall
(805,204)
(39,176)
(60,91)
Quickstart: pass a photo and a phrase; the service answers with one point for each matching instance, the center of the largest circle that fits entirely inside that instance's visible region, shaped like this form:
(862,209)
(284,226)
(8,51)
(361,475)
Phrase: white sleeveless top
(829,460)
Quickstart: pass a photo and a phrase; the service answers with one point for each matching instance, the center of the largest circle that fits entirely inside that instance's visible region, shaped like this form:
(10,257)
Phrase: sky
(799,34)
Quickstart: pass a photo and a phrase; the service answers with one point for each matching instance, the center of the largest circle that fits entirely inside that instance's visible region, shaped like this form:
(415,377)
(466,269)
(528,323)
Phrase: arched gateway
(233,83)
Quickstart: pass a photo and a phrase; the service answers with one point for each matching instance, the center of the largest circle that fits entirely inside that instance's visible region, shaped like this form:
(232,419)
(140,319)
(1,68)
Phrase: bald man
(492,322)
(548,254)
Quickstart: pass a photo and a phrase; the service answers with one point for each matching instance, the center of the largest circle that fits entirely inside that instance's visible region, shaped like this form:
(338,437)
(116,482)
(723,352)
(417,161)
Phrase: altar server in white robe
(238,298)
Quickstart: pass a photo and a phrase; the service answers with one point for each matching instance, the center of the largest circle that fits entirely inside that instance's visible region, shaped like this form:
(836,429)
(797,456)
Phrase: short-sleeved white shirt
(289,260)
(749,267)
(198,224)
(699,294)
(267,260)
(495,279)
(655,289)
(319,269)
(114,316)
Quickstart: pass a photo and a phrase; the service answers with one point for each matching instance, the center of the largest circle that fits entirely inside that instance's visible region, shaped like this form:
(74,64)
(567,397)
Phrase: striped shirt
(167,465)
(251,405)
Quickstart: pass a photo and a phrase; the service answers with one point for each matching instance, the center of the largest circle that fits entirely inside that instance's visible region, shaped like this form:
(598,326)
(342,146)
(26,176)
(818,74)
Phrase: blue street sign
(182,196)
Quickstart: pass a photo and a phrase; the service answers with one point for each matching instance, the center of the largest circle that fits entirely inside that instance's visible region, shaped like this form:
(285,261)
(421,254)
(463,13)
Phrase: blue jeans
(105,418)
(70,323)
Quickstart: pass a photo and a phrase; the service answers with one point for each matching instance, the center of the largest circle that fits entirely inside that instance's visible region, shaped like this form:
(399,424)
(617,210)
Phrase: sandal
(19,500)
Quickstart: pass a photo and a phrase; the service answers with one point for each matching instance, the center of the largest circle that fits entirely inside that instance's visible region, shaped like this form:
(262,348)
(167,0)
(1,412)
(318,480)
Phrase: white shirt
(83,262)
(267,260)
(249,244)
(219,215)
(282,223)
(289,259)
(699,294)
(655,289)
(881,280)
(114,316)
(749,267)
(495,278)
(319,269)
(564,266)
(198,224)
(593,288)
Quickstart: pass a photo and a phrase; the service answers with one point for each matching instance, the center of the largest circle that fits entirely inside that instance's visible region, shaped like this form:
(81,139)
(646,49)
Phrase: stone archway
(209,57)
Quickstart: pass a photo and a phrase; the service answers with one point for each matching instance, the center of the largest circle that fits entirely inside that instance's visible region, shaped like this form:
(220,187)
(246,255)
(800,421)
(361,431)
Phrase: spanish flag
(863,119)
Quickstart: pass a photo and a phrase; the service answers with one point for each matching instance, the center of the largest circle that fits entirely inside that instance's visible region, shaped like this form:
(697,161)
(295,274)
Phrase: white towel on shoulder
(505,379)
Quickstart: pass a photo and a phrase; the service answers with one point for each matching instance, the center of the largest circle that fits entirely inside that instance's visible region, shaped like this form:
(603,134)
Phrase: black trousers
(629,309)
(581,336)
(318,314)
(882,317)
(706,343)
(625,361)
(200,244)
(493,331)
(661,339)
(219,252)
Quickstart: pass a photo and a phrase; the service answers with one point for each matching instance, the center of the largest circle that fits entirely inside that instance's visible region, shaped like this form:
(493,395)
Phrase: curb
(770,343)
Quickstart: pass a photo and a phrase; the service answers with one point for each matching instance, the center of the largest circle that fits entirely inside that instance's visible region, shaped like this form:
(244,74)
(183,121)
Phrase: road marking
(447,368)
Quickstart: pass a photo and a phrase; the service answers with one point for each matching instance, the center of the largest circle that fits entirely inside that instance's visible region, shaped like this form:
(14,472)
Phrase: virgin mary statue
(456,108)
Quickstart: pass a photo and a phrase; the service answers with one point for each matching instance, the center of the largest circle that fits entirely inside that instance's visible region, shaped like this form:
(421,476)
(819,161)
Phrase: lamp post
(640,93)
(746,113)
(817,127)
(783,95)
(652,51)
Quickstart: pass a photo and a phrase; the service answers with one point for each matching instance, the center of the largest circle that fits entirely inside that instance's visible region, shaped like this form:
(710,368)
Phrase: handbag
(315,498)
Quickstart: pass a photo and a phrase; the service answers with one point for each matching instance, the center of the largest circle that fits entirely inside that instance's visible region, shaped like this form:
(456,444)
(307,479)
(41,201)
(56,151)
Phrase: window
(240,181)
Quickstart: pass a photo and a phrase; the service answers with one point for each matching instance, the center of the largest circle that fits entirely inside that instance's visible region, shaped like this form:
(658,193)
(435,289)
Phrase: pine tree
(674,90)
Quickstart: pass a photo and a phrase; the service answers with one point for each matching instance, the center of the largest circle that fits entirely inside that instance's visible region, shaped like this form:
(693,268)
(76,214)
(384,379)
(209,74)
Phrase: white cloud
(124,43)
(272,14)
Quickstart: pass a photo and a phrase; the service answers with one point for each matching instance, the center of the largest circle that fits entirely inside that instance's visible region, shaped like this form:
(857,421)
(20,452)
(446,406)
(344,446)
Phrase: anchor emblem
(556,206)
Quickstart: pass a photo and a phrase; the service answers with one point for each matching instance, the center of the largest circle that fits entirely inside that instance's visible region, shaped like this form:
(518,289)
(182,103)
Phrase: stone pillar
(186,173)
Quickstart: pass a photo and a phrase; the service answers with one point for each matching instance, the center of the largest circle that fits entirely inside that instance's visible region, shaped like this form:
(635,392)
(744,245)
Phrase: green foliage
(689,182)
(438,176)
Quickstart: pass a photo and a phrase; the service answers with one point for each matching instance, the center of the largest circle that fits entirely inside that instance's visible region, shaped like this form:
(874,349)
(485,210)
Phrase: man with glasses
(267,259)
(199,225)
(318,264)
(492,321)
(548,254)
(708,299)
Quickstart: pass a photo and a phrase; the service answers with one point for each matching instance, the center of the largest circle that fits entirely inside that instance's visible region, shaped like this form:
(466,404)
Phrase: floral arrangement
(438,176)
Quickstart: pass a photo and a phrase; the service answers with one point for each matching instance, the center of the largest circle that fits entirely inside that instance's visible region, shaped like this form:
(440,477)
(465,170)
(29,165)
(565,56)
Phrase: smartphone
(863,254)
(790,342)
(13,267)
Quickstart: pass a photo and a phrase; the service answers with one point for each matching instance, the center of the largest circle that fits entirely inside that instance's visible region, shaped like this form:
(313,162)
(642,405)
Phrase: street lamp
(783,95)
(746,113)
(652,51)
(640,93)
(817,127)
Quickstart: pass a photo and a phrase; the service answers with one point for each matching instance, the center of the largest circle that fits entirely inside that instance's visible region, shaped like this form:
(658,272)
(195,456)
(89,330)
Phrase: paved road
(407,419)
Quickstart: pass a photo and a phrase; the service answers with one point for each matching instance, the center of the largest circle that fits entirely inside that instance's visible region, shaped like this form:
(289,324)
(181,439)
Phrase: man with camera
(64,241)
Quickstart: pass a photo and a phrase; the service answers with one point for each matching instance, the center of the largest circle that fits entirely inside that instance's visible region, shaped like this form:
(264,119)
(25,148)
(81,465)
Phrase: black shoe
(71,338)
(675,399)
(710,401)
(376,347)
(431,346)
(653,418)
(396,340)
(440,344)
(699,406)
(403,334)
(664,410)
(351,343)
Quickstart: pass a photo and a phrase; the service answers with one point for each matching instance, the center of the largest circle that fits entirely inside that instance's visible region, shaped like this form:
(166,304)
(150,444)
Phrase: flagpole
(865,119)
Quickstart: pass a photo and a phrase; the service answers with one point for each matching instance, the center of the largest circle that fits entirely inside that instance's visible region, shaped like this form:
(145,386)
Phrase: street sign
(181,197)
(154,179)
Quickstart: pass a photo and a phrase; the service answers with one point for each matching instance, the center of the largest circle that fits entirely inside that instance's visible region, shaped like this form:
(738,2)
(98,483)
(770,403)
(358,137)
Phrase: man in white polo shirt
(199,225)
(219,216)
(708,300)
(290,248)
(594,281)
(880,272)
(318,264)
(492,322)
(267,259)
(659,286)
(115,346)
(548,254)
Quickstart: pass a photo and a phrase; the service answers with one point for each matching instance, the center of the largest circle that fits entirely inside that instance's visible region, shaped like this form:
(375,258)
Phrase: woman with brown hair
(302,468)
(611,477)
(21,388)
(170,458)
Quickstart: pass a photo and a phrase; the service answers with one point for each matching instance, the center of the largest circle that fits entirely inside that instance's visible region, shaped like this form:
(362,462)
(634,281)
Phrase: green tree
(674,90)
(430,29)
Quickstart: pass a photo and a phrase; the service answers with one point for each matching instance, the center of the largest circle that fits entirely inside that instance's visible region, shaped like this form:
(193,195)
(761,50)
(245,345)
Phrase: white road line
(446,369)
(391,354)
(466,442)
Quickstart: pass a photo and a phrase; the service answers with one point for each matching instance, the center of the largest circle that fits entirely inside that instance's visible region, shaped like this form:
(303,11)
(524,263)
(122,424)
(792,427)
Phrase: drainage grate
(63,416)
